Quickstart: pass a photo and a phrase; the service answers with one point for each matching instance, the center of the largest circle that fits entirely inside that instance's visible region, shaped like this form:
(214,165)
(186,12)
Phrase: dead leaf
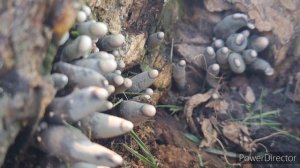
(239,134)
(210,134)
(193,102)
(218,105)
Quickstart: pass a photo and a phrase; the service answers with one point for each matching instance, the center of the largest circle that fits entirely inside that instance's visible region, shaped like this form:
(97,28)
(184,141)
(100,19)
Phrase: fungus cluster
(233,49)
(88,76)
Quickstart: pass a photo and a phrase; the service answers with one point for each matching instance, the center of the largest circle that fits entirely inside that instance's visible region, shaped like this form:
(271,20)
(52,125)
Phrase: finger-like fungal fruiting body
(119,72)
(236,63)
(81,16)
(209,57)
(212,75)
(143,80)
(149,91)
(237,42)
(179,74)
(87,10)
(99,55)
(111,42)
(85,81)
(60,80)
(116,53)
(110,89)
(86,165)
(101,125)
(102,66)
(218,43)
(80,47)
(155,39)
(76,74)
(262,65)
(249,56)
(73,146)
(231,24)
(246,33)
(126,85)
(258,43)
(79,104)
(136,112)
(222,57)
(95,30)
(121,65)
(115,79)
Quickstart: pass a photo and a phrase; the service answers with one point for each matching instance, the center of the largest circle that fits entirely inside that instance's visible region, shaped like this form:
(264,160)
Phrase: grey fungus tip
(121,64)
(209,57)
(127,82)
(269,71)
(149,91)
(215,67)
(110,89)
(230,24)
(155,39)
(239,39)
(179,74)
(136,112)
(87,10)
(111,42)
(222,56)
(160,35)
(182,63)
(126,85)
(143,80)
(60,80)
(210,51)
(249,56)
(80,47)
(236,63)
(148,110)
(101,125)
(118,80)
(116,53)
(258,43)
(70,144)
(212,75)
(240,16)
(218,43)
(99,93)
(81,16)
(246,33)
(153,73)
(236,42)
(93,29)
(263,66)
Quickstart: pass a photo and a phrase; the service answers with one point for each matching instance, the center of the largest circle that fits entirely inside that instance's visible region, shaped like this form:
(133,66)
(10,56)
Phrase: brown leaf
(210,134)
(194,101)
(218,105)
(239,134)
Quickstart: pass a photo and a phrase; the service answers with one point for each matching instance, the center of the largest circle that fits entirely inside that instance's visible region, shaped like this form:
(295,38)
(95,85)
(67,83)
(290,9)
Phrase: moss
(47,62)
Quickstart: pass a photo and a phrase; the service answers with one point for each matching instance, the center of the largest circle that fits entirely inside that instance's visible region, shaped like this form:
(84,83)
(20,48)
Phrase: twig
(267,137)
(225,154)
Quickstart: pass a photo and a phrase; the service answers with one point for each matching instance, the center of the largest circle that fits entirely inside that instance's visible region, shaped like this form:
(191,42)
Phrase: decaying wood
(25,35)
